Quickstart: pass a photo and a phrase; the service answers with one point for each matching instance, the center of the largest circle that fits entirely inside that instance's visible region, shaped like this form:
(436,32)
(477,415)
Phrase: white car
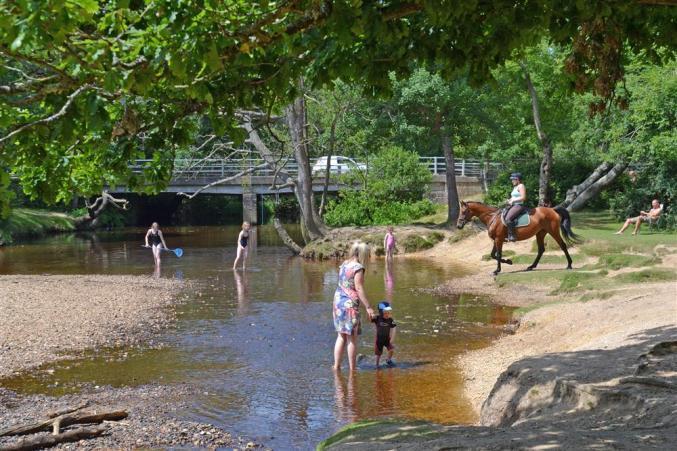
(339,165)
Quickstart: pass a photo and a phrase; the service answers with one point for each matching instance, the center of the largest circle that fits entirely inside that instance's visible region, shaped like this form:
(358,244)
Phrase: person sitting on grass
(644,216)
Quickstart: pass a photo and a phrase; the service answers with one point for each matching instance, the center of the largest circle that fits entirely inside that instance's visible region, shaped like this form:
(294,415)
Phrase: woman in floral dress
(347,299)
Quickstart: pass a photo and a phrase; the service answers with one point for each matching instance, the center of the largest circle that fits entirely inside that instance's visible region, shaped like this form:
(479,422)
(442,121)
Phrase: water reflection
(389,279)
(345,397)
(242,288)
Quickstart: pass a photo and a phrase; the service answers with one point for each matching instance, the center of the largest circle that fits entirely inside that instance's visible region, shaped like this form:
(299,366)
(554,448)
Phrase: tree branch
(48,119)
(225,180)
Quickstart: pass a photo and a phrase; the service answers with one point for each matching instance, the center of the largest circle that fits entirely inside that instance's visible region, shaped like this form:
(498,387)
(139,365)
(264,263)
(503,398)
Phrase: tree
(88,86)
(434,112)
(643,136)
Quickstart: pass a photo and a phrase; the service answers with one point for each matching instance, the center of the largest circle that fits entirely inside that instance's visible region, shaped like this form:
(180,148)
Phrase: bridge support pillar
(249,208)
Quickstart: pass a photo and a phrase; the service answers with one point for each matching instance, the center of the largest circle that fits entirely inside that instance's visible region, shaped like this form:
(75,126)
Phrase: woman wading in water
(157,241)
(347,299)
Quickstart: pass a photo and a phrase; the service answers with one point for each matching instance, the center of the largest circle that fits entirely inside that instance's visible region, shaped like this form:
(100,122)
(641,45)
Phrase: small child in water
(385,333)
(389,242)
(242,242)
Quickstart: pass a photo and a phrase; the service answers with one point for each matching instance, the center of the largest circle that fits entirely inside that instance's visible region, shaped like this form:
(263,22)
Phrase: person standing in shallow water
(348,297)
(157,241)
(389,242)
(242,243)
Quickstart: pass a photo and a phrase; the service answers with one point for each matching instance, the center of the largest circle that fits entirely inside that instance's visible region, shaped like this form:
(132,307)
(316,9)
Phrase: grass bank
(28,223)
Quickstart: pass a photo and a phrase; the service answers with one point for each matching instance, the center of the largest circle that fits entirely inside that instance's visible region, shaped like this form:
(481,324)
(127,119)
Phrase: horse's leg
(498,247)
(556,235)
(540,240)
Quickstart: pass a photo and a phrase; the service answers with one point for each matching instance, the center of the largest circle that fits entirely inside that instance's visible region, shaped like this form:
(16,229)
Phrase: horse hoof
(569,267)
(529,268)
(495,273)
(508,262)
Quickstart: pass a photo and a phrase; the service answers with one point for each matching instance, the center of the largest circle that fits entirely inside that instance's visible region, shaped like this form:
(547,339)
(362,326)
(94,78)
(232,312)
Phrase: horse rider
(518,197)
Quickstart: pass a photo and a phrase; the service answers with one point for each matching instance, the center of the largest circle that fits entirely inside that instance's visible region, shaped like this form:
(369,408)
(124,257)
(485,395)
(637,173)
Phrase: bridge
(191,175)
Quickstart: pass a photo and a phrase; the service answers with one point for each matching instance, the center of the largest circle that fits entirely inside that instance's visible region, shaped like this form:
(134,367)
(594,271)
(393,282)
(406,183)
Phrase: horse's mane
(480,203)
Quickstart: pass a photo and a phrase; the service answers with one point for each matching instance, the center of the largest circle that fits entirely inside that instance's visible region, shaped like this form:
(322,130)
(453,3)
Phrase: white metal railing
(220,168)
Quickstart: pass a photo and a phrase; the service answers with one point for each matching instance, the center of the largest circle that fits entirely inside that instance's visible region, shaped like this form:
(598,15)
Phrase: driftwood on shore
(45,441)
(57,420)
(65,420)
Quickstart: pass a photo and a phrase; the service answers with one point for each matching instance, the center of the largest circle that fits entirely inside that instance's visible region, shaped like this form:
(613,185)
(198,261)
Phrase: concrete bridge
(192,175)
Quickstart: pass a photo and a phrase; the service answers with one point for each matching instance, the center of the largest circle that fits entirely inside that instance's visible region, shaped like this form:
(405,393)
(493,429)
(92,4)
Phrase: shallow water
(258,345)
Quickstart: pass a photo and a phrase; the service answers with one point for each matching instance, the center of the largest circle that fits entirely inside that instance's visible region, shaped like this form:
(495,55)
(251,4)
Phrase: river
(258,345)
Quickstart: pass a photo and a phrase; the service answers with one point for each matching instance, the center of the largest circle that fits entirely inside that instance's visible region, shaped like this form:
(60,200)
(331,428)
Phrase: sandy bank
(45,318)
(607,324)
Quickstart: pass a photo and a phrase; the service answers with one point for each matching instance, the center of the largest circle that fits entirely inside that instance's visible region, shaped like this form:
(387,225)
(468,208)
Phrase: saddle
(523,220)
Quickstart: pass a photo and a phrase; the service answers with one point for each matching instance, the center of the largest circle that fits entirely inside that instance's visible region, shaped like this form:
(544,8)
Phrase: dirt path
(45,318)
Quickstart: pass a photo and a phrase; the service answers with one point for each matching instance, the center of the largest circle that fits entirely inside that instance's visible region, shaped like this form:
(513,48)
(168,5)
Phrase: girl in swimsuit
(242,242)
(157,241)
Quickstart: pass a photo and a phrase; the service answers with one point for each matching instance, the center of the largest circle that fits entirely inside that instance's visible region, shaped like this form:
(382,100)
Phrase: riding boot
(511,231)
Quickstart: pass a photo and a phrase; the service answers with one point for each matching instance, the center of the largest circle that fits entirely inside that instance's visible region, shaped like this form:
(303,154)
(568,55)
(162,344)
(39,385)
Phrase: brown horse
(543,221)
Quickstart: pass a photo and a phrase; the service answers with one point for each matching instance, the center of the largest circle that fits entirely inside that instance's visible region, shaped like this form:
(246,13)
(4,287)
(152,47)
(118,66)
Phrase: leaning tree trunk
(295,117)
(597,187)
(576,190)
(546,162)
(452,191)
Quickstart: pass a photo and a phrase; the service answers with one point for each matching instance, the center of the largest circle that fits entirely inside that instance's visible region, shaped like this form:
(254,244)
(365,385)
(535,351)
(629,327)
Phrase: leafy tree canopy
(88,85)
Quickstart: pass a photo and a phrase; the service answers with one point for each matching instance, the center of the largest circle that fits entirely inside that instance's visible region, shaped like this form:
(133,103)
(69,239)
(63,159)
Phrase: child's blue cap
(384,306)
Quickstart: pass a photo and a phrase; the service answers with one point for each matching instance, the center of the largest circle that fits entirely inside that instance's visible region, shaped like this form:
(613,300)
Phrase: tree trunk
(595,188)
(327,175)
(452,191)
(286,239)
(576,190)
(546,162)
(95,209)
(485,175)
(295,117)
(269,158)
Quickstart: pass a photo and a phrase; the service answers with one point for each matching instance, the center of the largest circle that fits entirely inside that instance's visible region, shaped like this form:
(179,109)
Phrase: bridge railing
(223,168)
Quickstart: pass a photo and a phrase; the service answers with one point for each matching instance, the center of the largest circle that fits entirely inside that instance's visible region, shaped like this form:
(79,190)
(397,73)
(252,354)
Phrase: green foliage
(414,243)
(92,85)
(392,192)
(24,223)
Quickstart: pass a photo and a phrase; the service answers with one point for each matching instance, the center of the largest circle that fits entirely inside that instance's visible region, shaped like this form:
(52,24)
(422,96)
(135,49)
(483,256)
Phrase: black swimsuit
(244,240)
(155,239)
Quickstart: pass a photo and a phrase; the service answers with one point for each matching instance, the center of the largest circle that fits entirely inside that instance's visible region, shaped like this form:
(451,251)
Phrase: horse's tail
(565,225)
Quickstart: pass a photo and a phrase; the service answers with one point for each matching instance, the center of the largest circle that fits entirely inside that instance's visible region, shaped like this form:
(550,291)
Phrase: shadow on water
(257,345)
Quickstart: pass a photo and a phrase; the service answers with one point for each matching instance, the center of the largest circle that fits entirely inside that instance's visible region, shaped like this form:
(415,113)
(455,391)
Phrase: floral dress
(347,301)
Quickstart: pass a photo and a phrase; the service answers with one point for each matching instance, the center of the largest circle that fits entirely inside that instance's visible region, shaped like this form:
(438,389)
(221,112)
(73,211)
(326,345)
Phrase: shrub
(392,192)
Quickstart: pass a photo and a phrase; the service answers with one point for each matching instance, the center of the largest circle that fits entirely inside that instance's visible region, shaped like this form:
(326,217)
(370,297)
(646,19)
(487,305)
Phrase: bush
(655,180)
(392,194)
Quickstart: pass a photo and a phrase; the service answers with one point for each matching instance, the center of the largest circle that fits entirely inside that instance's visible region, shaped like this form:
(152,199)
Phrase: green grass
(28,223)
(647,275)
(618,261)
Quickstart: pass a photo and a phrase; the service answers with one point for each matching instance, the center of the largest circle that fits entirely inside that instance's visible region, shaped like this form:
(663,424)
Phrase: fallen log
(64,421)
(46,441)
(58,413)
